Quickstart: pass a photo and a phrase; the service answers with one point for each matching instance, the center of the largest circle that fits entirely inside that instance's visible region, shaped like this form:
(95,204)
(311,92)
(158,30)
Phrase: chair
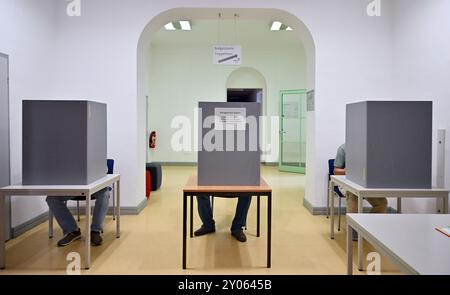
(336,192)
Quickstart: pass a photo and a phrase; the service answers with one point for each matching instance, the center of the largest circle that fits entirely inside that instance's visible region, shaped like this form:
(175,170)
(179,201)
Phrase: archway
(300,31)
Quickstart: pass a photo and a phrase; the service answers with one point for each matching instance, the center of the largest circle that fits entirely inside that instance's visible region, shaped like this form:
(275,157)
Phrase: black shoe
(204,231)
(96,238)
(69,238)
(240,236)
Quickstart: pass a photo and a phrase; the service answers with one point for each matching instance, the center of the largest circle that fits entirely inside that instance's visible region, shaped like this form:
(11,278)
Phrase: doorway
(4,139)
(293,131)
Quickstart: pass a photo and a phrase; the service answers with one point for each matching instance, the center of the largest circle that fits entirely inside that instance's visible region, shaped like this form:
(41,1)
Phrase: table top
(411,238)
(192,186)
(342,179)
(49,190)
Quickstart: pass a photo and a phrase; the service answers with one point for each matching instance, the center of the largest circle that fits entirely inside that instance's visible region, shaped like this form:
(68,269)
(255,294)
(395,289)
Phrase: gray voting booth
(64,142)
(229,150)
(389,144)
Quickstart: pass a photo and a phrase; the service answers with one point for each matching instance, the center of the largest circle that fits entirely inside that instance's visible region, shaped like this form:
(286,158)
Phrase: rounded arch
(300,30)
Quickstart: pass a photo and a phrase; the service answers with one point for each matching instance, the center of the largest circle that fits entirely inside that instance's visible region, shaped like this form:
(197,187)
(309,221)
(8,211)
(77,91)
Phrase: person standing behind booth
(379,205)
(239,221)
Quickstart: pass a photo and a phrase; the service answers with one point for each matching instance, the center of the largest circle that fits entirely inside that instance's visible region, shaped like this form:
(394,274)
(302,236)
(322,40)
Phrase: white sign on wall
(230,118)
(227,54)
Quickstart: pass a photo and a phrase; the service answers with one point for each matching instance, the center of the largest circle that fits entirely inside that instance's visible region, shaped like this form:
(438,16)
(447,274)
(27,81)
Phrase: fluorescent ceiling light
(185,25)
(276,25)
(288,29)
(170,27)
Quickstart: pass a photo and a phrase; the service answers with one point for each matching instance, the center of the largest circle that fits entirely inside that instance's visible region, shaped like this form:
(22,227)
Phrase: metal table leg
(184,230)
(117,213)
(2,232)
(349,250)
(258,216)
(330,197)
(269,230)
(360,239)
(114,202)
(88,231)
(191,217)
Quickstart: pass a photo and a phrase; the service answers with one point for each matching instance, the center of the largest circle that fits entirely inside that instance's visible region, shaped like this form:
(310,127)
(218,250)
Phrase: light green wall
(182,74)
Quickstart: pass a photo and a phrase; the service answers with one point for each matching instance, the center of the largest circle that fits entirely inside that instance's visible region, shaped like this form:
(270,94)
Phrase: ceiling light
(170,27)
(288,29)
(185,25)
(276,25)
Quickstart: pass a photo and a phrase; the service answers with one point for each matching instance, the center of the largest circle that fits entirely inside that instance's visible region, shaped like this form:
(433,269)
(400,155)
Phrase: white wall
(27,30)
(95,57)
(182,74)
(422,67)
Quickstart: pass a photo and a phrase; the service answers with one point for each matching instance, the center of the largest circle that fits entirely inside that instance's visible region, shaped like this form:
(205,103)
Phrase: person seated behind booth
(239,221)
(379,205)
(71,231)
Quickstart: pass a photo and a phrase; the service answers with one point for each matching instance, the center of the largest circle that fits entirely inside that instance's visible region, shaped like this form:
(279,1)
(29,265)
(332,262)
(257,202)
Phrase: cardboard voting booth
(229,150)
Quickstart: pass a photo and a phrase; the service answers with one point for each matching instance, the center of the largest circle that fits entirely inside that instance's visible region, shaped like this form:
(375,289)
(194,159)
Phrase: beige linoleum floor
(151,242)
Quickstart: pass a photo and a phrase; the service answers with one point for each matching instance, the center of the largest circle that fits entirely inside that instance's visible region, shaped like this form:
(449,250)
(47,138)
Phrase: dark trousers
(240,217)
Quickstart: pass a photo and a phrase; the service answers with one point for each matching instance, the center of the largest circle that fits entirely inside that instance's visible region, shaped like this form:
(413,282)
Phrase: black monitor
(244,95)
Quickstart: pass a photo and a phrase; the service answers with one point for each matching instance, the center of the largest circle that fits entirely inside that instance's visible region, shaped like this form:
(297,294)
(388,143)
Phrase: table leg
(269,230)
(331,198)
(349,250)
(191,217)
(360,239)
(445,209)
(88,232)
(114,201)
(399,205)
(2,232)
(50,224)
(258,216)
(184,230)
(117,213)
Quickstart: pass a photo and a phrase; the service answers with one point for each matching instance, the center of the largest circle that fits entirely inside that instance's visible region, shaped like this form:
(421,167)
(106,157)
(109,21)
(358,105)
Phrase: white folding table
(410,241)
(62,191)
(365,193)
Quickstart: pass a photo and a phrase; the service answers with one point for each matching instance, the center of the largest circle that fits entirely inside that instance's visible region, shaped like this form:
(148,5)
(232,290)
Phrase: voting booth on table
(64,142)
(229,151)
(389,144)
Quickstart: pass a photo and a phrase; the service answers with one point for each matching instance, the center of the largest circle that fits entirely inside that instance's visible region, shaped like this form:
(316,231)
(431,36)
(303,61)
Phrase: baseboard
(323,210)
(187,164)
(32,223)
(27,225)
(271,164)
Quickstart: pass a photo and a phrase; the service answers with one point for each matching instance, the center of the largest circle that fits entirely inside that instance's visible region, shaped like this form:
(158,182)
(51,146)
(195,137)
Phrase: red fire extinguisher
(152,140)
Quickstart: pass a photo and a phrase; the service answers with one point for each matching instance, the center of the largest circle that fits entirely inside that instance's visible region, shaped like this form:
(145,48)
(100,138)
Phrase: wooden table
(61,191)
(193,189)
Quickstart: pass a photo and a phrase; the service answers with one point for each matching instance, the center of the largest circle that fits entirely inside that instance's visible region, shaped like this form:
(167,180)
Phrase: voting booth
(229,150)
(389,144)
(64,142)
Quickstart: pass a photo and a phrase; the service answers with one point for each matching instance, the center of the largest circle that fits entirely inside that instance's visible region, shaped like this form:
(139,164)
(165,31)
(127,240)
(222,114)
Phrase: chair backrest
(110,164)
(330,167)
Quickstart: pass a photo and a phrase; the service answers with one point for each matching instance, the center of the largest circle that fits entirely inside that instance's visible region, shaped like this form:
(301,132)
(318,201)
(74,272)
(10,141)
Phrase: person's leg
(379,205)
(352,207)
(352,203)
(240,218)
(100,209)
(205,212)
(62,214)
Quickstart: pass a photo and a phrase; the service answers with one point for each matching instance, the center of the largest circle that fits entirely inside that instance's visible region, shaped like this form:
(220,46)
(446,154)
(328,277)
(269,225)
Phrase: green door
(293,131)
